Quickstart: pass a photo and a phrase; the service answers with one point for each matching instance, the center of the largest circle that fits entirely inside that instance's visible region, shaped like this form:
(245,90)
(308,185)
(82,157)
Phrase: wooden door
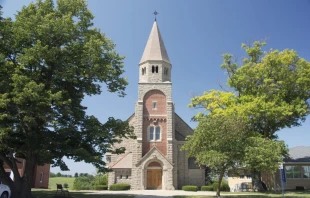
(154,178)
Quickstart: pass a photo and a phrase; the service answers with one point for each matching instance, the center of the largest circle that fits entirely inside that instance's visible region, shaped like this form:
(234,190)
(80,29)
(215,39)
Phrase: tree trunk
(218,190)
(21,187)
(256,181)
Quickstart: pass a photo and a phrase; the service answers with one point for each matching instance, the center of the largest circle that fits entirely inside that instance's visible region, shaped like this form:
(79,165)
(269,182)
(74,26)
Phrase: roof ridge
(150,151)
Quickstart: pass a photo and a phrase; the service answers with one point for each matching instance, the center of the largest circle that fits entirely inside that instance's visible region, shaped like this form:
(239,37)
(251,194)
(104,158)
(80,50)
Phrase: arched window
(151,133)
(156,69)
(153,69)
(142,71)
(155,133)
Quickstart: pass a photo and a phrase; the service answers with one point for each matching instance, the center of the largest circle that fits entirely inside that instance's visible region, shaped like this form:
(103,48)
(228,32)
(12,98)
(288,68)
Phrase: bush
(189,188)
(207,188)
(101,180)
(100,187)
(66,185)
(84,183)
(119,187)
(224,186)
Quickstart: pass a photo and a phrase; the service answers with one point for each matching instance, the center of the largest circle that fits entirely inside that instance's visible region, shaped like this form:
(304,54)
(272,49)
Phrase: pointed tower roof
(155,48)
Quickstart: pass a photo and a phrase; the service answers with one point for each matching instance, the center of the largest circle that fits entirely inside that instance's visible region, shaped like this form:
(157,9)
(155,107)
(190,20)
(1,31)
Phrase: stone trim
(156,154)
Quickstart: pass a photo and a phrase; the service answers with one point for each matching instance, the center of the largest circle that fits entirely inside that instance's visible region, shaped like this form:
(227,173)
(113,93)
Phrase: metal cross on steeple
(155,13)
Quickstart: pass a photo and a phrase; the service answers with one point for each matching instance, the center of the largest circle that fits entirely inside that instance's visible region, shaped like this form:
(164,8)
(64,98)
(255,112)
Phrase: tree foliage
(50,59)
(270,91)
(84,183)
(218,142)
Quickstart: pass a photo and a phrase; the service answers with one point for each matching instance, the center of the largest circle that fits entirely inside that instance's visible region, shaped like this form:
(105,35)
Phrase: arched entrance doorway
(154,176)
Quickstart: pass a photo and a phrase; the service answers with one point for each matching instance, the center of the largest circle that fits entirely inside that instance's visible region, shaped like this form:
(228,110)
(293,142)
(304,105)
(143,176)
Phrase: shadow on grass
(288,194)
(301,192)
(52,194)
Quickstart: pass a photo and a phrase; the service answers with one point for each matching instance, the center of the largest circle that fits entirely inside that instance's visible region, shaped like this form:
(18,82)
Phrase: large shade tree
(270,90)
(51,57)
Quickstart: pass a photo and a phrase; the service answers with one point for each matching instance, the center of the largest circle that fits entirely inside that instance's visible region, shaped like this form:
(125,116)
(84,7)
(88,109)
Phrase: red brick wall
(36,176)
(159,115)
(20,166)
(149,98)
(161,145)
(45,169)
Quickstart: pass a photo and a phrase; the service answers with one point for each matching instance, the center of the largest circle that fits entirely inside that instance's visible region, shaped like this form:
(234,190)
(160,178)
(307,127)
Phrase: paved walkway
(154,193)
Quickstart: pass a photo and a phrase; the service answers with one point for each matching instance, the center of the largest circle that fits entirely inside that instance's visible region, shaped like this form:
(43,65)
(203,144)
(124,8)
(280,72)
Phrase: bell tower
(155,66)
(154,114)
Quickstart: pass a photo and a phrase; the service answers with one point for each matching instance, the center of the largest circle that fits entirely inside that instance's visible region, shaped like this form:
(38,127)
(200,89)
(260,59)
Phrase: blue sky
(195,33)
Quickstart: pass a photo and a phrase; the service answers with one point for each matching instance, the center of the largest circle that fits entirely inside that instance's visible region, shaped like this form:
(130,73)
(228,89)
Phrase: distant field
(60,180)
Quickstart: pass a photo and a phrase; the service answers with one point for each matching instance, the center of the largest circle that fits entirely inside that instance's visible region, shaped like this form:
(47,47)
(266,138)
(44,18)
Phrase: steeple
(155,49)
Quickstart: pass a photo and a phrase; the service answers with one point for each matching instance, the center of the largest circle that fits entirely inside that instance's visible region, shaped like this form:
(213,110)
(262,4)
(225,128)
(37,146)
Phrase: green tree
(84,183)
(219,143)
(101,179)
(269,90)
(226,142)
(52,174)
(76,174)
(50,59)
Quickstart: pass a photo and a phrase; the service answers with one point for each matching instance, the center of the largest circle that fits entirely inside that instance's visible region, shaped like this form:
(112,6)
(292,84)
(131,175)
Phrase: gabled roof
(299,154)
(124,162)
(179,136)
(155,48)
(153,151)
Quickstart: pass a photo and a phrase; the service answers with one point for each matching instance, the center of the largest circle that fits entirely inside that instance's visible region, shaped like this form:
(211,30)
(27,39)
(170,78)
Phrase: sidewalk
(154,193)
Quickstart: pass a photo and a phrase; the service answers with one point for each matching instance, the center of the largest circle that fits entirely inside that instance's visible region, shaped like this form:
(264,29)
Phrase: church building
(154,160)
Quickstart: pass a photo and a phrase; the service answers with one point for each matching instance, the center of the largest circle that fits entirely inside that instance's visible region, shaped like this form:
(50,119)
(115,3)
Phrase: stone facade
(154,160)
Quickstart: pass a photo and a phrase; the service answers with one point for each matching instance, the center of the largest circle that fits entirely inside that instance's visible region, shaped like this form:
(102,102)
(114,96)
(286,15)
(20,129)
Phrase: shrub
(83,183)
(101,180)
(66,185)
(224,186)
(206,188)
(119,187)
(189,188)
(100,187)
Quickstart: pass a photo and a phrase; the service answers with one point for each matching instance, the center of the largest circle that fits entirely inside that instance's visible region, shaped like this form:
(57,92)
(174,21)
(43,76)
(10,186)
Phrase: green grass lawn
(60,180)
(39,193)
(288,194)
